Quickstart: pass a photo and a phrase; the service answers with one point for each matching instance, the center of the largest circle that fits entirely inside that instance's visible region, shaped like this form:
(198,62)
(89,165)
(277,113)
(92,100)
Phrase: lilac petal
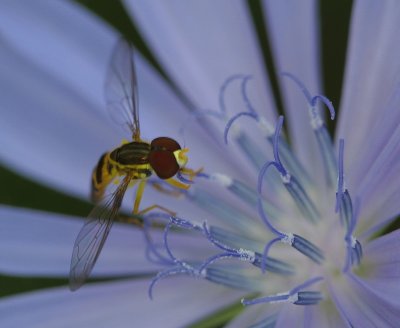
(77,54)
(252,315)
(67,121)
(201,44)
(370,99)
(296,50)
(49,122)
(382,258)
(378,191)
(362,306)
(163,114)
(39,243)
(177,303)
(323,315)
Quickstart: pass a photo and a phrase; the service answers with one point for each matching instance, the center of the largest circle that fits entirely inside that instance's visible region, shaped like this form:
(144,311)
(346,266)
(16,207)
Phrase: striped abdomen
(130,158)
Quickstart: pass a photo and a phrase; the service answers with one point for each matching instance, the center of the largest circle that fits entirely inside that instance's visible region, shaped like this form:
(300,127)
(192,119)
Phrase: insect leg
(177,184)
(152,207)
(139,194)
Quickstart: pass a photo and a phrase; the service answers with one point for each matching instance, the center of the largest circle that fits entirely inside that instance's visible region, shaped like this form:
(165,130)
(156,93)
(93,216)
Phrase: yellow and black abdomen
(102,175)
(131,158)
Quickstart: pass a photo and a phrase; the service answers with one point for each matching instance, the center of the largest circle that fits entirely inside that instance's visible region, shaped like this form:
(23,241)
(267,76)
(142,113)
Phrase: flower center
(314,218)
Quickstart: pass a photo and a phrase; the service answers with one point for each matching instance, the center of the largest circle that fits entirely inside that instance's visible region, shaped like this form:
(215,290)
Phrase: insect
(131,163)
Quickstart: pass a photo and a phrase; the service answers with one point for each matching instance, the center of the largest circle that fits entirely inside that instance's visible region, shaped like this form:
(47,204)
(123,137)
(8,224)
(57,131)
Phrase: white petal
(293,29)
(177,303)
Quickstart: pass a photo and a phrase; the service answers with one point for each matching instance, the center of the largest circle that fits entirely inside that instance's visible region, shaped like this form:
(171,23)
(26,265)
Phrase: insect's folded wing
(93,235)
(121,88)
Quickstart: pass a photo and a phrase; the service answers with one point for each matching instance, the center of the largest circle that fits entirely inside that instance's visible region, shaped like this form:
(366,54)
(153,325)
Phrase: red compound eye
(163,163)
(161,157)
(164,143)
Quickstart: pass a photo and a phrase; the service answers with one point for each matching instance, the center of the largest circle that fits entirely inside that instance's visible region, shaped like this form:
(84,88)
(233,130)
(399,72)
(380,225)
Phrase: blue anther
(233,279)
(295,296)
(308,249)
(273,265)
(354,248)
(308,298)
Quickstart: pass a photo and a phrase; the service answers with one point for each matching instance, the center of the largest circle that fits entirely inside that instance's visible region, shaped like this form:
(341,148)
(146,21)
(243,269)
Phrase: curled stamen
(228,81)
(233,119)
(294,296)
(295,189)
(167,273)
(321,133)
(312,100)
(272,265)
(152,248)
(327,103)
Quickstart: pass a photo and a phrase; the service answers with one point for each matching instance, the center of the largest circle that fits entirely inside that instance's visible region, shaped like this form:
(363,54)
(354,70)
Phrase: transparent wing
(93,235)
(121,88)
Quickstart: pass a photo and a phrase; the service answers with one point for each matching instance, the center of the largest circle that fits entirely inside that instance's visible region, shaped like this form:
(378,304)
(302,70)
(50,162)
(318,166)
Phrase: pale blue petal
(379,189)
(177,303)
(53,119)
(34,243)
(323,315)
(201,44)
(252,315)
(294,35)
(290,315)
(364,307)
(382,260)
(369,114)
(63,39)
(51,92)
(40,243)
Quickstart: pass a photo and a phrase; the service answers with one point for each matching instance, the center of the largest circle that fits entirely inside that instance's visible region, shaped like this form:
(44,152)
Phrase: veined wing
(93,235)
(121,88)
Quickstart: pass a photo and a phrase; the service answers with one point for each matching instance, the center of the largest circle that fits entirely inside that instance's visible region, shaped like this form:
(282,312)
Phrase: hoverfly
(133,163)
